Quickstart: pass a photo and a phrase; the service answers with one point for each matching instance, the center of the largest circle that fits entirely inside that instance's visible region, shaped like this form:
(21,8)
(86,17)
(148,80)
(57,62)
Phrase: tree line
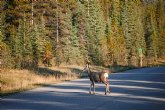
(102,32)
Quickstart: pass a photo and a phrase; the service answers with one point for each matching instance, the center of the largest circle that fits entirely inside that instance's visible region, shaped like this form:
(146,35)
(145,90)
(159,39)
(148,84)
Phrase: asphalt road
(139,89)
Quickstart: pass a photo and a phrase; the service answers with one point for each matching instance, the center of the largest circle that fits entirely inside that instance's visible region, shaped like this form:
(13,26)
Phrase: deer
(97,77)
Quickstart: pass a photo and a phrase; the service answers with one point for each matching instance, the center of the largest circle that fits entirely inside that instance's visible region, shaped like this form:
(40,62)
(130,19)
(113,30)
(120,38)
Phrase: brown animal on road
(97,77)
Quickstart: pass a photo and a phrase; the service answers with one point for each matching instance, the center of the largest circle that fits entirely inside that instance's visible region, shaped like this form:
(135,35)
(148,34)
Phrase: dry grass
(12,81)
(162,61)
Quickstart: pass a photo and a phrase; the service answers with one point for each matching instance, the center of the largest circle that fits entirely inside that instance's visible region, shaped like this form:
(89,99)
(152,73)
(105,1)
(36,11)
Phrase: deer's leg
(90,88)
(108,88)
(93,88)
(105,89)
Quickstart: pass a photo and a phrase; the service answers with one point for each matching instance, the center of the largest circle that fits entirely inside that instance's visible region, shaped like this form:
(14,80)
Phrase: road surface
(138,89)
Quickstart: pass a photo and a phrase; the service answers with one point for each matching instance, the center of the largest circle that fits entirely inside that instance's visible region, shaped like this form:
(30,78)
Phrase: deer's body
(97,77)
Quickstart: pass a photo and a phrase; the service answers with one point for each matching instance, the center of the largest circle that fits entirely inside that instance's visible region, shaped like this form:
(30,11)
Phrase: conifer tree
(35,45)
(81,23)
(5,52)
(72,32)
(160,27)
(23,44)
(151,35)
(41,37)
(95,31)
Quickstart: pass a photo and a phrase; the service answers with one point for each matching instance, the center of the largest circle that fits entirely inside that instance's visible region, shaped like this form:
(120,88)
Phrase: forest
(73,32)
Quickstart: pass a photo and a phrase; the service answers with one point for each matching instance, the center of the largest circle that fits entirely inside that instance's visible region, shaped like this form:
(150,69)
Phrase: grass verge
(13,81)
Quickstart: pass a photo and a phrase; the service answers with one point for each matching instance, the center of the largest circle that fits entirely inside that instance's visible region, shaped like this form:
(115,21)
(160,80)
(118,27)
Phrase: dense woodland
(72,32)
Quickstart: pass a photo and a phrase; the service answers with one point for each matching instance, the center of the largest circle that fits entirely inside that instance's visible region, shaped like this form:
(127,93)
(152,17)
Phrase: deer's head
(86,69)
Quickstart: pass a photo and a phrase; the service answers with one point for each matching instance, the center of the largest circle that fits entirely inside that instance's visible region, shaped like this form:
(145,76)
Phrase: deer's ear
(87,65)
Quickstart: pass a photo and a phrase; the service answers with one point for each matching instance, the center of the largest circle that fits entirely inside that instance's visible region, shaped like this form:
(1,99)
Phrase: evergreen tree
(5,51)
(151,35)
(1,45)
(73,32)
(23,44)
(95,31)
(160,27)
(76,55)
(41,38)
(35,45)
(137,32)
(81,23)
(132,23)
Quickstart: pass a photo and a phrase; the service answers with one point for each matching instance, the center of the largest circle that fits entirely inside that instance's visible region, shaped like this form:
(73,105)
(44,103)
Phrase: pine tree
(160,27)
(1,45)
(63,45)
(23,44)
(95,31)
(75,31)
(41,38)
(151,35)
(76,55)
(132,23)
(115,35)
(81,22)
(35,45)
(137,32)
(5,56)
